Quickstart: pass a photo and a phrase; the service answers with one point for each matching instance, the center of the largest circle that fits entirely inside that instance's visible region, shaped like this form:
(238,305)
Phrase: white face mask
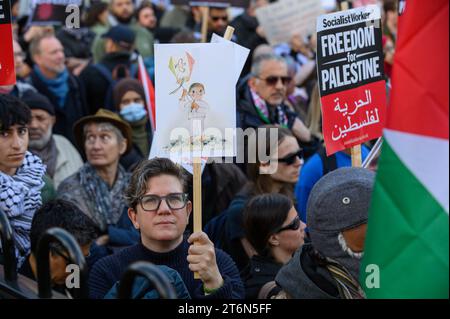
(347,249)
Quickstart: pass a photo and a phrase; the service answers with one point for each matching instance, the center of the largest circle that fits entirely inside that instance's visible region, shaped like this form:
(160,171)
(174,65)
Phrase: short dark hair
(63,214)
(263,216)
(13,111)
(148,169)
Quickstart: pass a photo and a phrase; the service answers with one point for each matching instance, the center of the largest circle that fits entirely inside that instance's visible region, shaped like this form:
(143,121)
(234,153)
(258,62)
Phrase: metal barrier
(75,256)
(12,285)
(151,273)
(8,247)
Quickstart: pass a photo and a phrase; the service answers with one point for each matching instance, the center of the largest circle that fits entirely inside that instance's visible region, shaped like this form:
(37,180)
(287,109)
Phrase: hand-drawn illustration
(194,106)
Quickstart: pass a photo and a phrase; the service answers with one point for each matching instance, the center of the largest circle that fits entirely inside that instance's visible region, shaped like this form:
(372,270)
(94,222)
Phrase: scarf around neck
(264,112)
(58,86)
(108,203)
(20,197)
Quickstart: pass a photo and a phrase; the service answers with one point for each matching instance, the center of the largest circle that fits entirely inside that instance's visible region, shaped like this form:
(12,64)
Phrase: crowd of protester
(75,138)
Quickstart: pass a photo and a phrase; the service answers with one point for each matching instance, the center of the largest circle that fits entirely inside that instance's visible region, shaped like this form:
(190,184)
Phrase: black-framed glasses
(175,201)
(290,159)
(273,80)
(294,225)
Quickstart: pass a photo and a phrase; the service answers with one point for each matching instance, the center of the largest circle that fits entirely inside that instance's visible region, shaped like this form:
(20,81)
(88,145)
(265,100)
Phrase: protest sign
(282,19)
(213,3)
(7,70)
(51,12)
(194,90)
(240,54)
(351,77)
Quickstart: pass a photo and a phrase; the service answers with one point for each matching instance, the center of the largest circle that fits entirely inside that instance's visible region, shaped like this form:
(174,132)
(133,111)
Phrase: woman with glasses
(160,209)
(277,173)
(98,187)
(274,230)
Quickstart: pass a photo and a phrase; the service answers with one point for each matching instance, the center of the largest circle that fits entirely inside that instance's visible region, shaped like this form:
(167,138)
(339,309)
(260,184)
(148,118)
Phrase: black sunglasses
(290,159)
(219,18)
(294,225)
(273,80)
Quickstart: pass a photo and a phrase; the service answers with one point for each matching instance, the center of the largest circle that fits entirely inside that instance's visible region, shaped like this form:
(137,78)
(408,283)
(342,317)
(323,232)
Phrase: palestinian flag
(407,238)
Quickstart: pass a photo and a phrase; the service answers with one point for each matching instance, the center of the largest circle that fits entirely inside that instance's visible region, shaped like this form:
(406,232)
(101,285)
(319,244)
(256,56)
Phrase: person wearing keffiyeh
(21,173)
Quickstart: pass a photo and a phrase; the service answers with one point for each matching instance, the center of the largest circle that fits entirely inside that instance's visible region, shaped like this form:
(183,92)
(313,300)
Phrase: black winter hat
(35,100)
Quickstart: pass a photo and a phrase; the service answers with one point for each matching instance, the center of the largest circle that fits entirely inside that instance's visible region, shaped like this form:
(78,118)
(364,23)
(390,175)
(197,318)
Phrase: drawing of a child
(196,107)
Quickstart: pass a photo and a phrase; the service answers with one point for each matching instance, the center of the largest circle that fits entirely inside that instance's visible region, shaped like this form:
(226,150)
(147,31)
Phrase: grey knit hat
(339,201)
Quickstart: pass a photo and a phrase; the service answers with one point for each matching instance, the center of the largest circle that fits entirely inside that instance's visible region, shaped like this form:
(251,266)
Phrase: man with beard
(55,151)
(328,267)
(217,21)
(122,12)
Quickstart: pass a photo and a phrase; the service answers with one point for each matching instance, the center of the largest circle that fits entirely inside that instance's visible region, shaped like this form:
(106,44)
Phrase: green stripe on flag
(407,236)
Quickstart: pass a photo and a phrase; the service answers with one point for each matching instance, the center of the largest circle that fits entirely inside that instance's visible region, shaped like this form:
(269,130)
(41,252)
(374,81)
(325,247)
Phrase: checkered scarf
(20,197)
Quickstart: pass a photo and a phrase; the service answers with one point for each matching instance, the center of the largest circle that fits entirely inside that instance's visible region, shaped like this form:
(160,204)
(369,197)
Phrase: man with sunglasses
(159,208)
(218,21)
(262,101)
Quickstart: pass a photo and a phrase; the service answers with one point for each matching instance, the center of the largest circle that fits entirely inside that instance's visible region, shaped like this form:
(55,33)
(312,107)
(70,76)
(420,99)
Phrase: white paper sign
(186,162)
(282,19)
(195,86)
(240,54)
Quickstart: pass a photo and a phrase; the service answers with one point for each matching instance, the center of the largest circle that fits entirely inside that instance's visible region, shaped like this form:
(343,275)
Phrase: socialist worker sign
(7,71)
(351,77)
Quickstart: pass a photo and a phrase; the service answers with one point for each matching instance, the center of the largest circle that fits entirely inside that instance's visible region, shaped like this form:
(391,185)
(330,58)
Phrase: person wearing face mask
(129,102)
(337,212)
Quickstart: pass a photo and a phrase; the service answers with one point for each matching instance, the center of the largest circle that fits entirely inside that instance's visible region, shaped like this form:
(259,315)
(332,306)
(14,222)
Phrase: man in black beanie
(60,156)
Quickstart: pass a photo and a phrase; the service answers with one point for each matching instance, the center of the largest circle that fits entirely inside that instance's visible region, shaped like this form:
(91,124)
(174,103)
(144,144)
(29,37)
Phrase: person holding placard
(160,210)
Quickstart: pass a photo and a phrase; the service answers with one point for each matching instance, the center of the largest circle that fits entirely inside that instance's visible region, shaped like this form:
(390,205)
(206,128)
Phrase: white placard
(282,19)
(240,54)
(195,85)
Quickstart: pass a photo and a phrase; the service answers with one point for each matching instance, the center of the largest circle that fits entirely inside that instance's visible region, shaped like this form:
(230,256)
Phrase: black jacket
(74,108)
(258,272)
(96,84)
(76,42)
(245,32)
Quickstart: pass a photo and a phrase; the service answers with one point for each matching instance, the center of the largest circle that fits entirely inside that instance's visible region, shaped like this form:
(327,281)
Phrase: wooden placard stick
(197,181)
(205,19)
(356,156)
(356,150)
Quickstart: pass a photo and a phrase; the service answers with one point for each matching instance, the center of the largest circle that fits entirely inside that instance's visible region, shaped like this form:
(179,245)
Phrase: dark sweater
(109,270)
